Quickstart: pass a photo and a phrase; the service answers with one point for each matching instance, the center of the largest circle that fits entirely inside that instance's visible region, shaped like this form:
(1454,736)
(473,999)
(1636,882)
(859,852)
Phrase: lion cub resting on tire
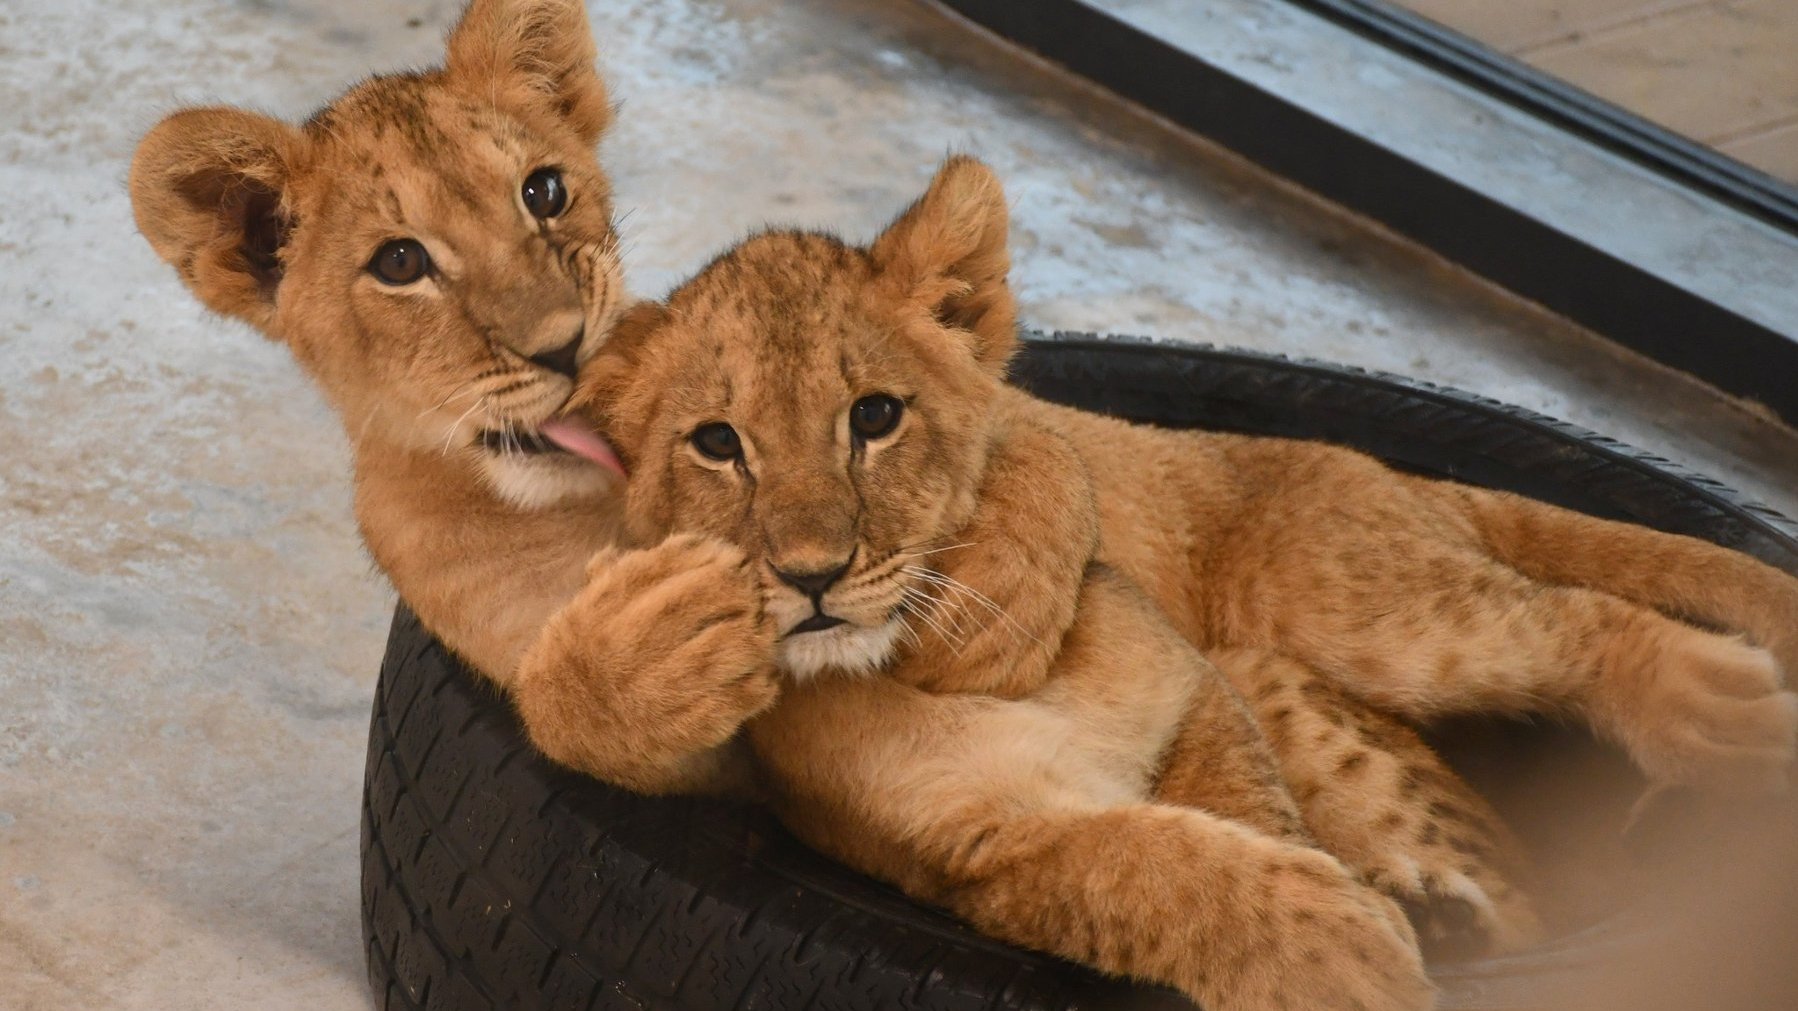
(1020,791)
(837,413)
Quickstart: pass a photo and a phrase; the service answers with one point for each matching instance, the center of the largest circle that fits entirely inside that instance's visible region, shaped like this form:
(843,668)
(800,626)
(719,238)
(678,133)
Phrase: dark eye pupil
(873,417)
(543,193)
(718,441)
(401,261)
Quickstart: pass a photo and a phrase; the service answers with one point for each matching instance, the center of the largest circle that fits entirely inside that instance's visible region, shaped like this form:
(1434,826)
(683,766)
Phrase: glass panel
(1722,72)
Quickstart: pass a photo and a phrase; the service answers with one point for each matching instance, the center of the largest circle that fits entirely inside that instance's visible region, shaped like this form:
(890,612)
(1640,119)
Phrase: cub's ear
(948,251)
(208,189)
(535,56)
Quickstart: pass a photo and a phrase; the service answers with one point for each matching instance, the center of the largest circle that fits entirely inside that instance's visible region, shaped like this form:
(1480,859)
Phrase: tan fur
(274,224)
(1339,594)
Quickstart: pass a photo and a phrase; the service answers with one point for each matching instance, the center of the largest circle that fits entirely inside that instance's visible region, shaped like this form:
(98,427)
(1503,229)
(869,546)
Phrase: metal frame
(1620,299)
(1615,129)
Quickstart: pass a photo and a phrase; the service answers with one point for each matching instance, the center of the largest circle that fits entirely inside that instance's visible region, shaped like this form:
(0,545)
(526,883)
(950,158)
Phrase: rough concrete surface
(188,629)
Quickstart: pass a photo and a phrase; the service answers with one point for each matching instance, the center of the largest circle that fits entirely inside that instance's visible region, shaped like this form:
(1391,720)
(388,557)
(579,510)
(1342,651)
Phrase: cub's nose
(814,583)
(561,360)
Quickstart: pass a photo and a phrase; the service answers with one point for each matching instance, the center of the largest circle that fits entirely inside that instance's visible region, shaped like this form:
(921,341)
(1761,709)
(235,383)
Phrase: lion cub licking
(436,248)
(1019,783)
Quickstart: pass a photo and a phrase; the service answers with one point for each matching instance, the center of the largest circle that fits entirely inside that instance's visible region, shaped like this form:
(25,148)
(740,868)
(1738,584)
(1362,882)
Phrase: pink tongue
(581,440)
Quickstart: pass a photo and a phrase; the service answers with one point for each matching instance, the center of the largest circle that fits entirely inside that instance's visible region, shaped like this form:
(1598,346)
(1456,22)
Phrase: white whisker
(927,618)
(465,390)
(362,429)
(960,588)
(450,436)
(909,552)
(949,610)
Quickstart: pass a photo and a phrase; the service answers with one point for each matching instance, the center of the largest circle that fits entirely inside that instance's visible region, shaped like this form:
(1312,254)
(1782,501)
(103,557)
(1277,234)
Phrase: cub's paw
(1458,916)
(665,653)
(687,619)
(1714,715)
(1441,863)
(1334,945)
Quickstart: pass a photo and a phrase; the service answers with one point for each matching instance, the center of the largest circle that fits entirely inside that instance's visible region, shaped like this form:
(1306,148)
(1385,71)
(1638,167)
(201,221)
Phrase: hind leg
(1220,762)
(1374,795)
(1423,630)
(1679,576)
(1014,829)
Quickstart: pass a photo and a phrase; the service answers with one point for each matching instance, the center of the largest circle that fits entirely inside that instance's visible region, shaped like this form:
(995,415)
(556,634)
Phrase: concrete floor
(188,628)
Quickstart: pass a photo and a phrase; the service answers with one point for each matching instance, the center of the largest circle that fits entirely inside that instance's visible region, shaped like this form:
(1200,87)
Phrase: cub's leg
(1220,762)
(1680,576)
(1423,629)
(1378,798)
(1237,920)
(1006,814)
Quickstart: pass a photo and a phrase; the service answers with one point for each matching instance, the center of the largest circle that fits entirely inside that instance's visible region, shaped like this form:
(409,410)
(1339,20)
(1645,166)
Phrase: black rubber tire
(493,880)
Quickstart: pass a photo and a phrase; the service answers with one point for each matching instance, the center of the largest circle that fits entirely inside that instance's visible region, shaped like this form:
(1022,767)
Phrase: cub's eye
(544,195)
(401,261)
(717,441)
(875,416)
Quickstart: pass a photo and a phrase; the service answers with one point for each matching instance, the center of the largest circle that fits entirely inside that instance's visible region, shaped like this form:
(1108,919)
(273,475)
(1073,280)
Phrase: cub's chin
(845,649)
(539,480)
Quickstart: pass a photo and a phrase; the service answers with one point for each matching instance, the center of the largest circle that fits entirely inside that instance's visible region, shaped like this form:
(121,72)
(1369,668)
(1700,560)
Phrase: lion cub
(436,248)
(837,412)
(1021,787)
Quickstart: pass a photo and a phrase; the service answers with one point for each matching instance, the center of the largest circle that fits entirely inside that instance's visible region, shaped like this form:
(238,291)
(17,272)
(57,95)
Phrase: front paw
(1338,945)
(1457,916)
(1442,863)
(664,654)
(687,620)
(1715,715)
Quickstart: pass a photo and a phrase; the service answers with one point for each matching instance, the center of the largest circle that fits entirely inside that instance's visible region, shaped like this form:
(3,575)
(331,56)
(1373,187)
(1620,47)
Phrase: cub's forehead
(412,125)
(403,153)
(783,316)
(781,291)
(734,358)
